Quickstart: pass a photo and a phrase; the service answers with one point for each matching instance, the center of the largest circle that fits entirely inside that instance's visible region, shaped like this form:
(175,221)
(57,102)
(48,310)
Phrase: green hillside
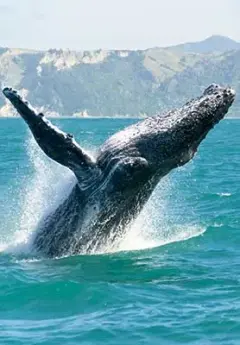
(119,83)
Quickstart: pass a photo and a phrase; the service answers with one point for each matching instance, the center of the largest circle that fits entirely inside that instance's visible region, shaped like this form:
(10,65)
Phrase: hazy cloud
(5,8)
(130,24)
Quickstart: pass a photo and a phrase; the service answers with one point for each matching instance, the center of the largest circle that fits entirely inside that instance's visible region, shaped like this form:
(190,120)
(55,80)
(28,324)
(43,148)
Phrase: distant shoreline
(83,118)
(102,117)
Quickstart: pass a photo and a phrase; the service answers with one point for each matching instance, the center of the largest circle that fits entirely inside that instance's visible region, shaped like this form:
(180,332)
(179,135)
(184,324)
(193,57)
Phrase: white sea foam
(224,194)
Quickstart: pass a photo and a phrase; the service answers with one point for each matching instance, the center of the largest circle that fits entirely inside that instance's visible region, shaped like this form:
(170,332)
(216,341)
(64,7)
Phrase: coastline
(83,117)
(101,117)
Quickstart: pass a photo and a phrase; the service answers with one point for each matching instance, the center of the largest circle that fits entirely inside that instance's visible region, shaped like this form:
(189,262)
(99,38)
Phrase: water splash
(157,224)
(50,183)
(40,194)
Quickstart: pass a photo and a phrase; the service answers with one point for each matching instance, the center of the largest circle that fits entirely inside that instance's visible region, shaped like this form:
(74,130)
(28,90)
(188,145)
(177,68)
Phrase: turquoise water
(175,277)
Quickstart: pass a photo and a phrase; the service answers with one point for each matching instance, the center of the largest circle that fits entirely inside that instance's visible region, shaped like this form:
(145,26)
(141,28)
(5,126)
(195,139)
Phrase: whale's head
(150,149)
(170,141)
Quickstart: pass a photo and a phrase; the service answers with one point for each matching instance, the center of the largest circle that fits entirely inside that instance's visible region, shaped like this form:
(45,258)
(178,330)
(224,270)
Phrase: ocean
(173,279)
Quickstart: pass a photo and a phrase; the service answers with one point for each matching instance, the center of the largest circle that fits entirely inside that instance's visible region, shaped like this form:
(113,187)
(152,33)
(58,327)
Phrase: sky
(114,24)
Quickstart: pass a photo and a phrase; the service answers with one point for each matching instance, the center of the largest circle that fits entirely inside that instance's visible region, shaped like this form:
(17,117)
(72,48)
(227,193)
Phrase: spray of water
(40,194)
(157,224)
(50,183)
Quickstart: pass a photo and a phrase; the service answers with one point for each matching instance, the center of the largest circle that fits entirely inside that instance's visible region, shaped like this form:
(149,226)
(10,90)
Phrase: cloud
(6,9)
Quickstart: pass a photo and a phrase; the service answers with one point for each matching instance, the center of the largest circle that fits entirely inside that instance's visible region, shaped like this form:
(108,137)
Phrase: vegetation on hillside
(126,83)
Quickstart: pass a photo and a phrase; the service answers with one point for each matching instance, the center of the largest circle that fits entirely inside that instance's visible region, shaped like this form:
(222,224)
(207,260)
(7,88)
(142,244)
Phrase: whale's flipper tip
(8,92)
(20,104)
(13,96)
(6,89)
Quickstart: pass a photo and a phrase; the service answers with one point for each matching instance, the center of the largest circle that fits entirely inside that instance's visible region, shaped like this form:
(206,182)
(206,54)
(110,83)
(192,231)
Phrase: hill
(214,43)
(125,83)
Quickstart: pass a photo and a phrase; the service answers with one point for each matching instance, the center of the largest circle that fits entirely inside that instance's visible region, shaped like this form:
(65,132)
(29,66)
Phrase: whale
(112,187)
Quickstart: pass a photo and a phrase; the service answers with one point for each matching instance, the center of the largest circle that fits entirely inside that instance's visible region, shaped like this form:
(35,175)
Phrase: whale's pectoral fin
(58,145)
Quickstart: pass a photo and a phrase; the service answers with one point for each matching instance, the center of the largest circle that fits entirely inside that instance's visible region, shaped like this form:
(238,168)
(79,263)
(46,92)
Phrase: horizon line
(119,49)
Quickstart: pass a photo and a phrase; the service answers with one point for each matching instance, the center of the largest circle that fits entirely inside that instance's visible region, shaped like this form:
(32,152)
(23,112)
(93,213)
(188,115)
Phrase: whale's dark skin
(112,189)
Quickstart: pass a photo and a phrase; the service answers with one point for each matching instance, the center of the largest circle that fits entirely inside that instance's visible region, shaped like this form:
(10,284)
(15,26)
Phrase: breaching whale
(112,189)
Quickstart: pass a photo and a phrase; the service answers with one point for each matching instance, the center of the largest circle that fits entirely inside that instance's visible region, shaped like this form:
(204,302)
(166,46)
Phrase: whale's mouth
(222,99)
(225,99)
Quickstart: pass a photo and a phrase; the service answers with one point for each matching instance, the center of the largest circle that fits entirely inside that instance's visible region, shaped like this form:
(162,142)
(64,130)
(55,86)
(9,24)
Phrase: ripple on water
(174,279)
